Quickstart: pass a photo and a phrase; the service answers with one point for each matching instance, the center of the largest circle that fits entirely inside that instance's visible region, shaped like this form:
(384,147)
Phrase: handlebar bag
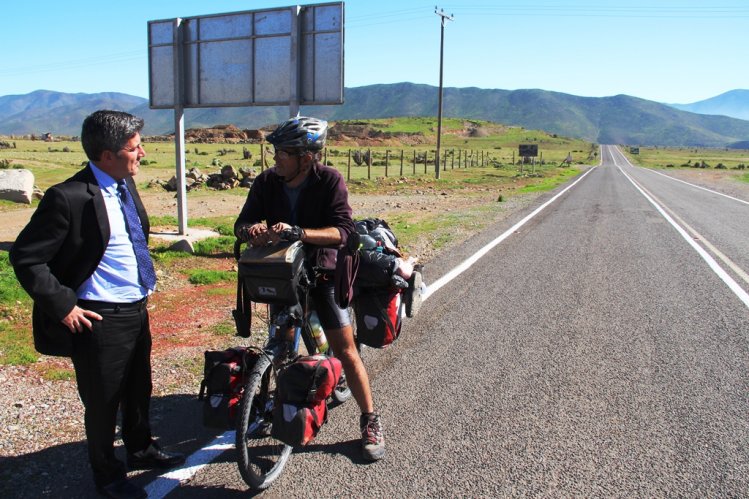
(271,273)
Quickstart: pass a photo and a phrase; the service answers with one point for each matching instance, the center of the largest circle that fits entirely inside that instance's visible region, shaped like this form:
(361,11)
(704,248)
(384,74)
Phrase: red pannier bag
(378,316)
(221,388)
(301,404)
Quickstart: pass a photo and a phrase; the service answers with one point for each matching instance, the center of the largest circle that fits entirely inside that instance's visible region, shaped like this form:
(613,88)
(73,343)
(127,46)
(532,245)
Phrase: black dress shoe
(154,457)
(122,489)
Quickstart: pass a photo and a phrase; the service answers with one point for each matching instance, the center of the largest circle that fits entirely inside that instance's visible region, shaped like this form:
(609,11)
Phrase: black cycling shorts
(331,315)
(323,296)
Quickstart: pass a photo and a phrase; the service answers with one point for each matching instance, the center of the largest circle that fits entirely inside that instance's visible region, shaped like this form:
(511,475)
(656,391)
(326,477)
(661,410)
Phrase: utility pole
(443,17)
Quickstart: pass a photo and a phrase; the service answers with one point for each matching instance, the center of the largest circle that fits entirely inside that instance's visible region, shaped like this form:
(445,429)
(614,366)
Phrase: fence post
(426,155)
(369,164)
(414,164)
(348,168)
(401,174)
(387,162)
(452,159)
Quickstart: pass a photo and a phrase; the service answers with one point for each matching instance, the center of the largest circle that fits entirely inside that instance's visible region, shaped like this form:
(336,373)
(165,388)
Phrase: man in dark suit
(83,259)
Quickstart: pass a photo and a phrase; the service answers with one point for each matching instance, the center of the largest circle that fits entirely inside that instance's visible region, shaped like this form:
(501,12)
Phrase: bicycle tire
(261,457)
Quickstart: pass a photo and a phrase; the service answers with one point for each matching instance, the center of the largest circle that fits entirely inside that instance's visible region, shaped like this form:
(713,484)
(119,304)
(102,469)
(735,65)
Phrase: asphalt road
(593,352)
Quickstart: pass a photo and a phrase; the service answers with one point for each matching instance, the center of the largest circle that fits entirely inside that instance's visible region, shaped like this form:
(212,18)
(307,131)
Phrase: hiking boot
(412,296)
(372,440)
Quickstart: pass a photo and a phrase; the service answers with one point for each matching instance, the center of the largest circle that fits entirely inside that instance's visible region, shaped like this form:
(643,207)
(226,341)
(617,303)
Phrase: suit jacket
(59,249)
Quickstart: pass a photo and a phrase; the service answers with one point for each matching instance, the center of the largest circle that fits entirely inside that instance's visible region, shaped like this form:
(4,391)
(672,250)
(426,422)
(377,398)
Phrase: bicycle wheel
(261,457)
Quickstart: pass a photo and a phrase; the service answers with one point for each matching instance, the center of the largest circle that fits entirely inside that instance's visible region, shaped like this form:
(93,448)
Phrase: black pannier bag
(221,388)
(271,273)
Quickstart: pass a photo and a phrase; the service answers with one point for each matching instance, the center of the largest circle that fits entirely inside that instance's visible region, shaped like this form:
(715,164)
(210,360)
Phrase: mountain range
(734,103)
(619,119)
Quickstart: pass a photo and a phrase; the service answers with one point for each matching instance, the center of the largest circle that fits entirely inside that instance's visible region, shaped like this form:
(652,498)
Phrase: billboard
(270,57)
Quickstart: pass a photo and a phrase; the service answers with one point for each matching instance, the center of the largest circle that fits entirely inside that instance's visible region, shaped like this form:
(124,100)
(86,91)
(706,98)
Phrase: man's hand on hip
(78,318)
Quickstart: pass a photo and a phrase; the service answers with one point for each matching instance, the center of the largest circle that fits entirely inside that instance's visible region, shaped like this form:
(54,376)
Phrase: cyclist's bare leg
(342,342)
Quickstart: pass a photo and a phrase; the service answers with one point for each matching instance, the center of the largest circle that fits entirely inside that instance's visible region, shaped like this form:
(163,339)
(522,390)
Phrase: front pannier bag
(221,388)
(301,406)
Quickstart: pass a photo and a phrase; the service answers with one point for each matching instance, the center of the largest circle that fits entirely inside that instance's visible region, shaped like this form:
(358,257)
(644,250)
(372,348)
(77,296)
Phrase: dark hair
(108,131)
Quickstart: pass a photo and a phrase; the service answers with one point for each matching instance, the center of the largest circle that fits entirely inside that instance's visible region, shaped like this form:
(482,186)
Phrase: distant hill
(619,119)
(734,104)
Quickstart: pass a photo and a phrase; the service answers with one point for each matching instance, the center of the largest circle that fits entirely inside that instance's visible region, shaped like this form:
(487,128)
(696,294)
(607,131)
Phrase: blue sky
(676,51)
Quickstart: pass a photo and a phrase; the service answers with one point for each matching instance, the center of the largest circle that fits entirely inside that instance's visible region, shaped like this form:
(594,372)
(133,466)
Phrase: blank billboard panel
(264,57)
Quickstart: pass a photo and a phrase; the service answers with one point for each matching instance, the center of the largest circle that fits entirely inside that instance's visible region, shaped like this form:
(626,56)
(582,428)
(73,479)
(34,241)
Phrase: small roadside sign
(528,150)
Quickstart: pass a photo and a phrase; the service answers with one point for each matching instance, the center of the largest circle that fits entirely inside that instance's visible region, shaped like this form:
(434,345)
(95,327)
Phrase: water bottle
(317,333)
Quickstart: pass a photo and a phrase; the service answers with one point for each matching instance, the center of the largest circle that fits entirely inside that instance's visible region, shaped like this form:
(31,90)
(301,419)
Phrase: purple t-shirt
(323,202)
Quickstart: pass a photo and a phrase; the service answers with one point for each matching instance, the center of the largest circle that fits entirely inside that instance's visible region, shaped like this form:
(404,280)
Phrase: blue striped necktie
(145,266)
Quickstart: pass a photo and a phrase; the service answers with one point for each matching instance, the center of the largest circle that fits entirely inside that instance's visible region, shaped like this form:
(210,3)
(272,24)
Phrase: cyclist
(309,201)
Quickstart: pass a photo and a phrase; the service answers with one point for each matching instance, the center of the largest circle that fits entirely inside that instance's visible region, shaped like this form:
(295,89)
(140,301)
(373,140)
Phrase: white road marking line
(436,285)
(715,251)
(719,271)
(168,481)
(689,184)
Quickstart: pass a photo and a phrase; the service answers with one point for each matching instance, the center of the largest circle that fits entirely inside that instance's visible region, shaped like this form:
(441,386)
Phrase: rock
(16,185)
(194,174)
(247,172)
(228,172)
(183,245)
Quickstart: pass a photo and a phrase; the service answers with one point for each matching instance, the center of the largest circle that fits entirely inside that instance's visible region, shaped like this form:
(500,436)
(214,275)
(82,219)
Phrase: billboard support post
(179,131)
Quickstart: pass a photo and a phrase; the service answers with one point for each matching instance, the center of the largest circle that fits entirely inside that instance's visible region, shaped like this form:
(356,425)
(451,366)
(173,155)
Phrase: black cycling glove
(243,233)
(294,233)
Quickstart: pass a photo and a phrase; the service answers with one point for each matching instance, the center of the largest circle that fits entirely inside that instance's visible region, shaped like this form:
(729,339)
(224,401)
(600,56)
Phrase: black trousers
(113,368)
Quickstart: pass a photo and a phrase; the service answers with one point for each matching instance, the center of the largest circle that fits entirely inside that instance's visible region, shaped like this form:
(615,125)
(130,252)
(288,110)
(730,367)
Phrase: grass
(548,183)
(215,246)
(224,328)
(682,157)
(57,373)
(202,276)
(16,342)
